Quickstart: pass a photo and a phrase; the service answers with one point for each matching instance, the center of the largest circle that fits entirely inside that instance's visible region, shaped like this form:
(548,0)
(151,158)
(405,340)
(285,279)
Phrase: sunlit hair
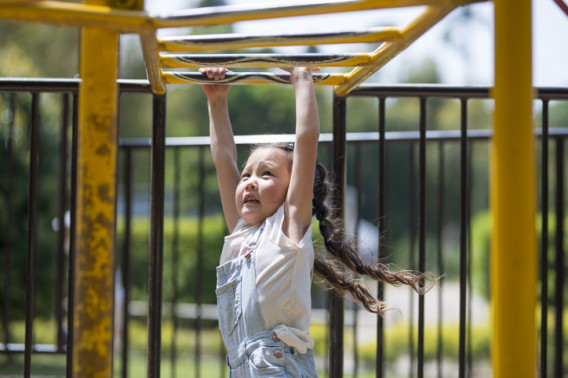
(340,266)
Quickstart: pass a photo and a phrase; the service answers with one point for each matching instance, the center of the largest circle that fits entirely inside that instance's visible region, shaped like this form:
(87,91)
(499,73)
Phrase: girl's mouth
(251,199)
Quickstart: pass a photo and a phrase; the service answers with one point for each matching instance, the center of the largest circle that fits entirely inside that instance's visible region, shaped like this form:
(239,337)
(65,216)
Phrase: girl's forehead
(272,154)
(268,156)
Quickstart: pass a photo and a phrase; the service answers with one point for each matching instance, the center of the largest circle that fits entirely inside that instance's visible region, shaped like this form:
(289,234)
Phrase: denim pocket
(269,361)
(229,304)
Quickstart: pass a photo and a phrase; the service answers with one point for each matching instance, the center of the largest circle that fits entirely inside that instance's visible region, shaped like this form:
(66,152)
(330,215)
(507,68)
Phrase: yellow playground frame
(514,263)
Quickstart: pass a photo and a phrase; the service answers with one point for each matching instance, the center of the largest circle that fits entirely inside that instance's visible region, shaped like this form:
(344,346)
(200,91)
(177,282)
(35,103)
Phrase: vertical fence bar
(355,325)
(463,239)
(72,238)
(62,225)
(336,306)
(544,244)
(155,260)
(200,262)
(421,230)
(8,225)
(439,257)
(175,259)
(411,249)
(32,232)
(560,261)
(382,229)
(126,271)
(468,243)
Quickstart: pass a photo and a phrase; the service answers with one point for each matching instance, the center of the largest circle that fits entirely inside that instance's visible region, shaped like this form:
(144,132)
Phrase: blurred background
(456,52)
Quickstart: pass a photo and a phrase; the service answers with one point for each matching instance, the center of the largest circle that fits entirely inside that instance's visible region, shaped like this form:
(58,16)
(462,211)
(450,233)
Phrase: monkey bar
(162,55)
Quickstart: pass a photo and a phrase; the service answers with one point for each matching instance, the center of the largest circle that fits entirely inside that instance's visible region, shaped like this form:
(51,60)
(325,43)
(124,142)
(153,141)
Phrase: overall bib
(253,351)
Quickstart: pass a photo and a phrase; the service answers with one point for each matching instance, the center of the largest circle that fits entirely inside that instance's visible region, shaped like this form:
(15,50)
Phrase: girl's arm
(298,205)
(223,147)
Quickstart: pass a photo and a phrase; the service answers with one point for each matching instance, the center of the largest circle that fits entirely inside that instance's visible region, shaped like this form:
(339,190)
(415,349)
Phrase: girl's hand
(213,91)
(296,73)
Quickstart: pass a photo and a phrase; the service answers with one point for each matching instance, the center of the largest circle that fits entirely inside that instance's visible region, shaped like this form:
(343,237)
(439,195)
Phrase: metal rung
(240,41)
(263,60)
(254,78)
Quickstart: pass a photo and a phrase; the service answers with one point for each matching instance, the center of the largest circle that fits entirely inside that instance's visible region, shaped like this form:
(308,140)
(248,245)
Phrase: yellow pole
(513,262)
(96,197)
(96,202)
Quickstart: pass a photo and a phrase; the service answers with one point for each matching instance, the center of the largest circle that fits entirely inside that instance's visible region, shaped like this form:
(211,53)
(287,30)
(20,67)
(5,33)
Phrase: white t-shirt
(283,277)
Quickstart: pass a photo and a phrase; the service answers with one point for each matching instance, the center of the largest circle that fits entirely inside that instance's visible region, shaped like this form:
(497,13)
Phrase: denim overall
(253,351)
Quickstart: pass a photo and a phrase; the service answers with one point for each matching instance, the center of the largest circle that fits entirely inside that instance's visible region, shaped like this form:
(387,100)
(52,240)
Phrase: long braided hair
(340,266)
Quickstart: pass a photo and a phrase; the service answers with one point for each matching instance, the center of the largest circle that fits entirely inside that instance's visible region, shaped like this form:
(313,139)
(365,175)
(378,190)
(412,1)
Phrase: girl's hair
(341,267)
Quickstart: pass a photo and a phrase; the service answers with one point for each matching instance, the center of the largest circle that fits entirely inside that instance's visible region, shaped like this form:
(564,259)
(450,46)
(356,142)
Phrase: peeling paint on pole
(96,203)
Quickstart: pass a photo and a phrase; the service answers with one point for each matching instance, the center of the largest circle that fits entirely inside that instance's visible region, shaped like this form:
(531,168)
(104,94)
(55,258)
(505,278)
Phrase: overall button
(278,353)
(275,338)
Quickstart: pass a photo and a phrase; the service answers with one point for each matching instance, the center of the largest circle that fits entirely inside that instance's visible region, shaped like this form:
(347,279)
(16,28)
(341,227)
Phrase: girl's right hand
(213,91)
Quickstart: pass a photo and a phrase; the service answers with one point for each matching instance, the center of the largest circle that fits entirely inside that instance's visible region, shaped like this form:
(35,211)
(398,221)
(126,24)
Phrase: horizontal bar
(77,14)
(262,60)
(28,85)
(16,2)
(247,12)
(65,85)
(242,41)
(437,90)
(362,137)
(249,78)
(37,348)
(422,90)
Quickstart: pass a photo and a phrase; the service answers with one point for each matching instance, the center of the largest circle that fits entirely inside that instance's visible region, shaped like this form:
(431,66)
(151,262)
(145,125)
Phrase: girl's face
(263,185)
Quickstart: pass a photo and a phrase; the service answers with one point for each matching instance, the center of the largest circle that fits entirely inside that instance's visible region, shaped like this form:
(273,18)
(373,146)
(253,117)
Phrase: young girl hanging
(266,265)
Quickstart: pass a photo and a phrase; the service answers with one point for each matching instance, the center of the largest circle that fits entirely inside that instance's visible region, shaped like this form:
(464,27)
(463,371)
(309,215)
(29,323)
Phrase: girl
(265,273)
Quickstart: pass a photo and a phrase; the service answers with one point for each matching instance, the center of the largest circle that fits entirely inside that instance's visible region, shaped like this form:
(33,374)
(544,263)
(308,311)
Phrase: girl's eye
(245,175)
(267,173)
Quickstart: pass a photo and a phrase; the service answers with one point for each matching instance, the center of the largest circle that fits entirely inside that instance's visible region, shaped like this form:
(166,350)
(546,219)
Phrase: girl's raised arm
(298,206)
(223,147)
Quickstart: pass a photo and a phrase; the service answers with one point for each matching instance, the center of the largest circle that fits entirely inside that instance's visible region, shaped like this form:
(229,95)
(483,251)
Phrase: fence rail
(426,225)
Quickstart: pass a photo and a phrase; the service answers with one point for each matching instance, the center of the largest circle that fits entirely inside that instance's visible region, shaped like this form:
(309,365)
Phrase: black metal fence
(418,191)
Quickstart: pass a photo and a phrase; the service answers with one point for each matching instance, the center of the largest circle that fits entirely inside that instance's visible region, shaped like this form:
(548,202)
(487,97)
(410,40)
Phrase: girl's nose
(251,185)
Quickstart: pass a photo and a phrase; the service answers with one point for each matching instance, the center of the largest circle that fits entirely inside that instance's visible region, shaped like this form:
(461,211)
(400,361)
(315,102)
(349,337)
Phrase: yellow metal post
(96,197)
(96,202)
(514,263)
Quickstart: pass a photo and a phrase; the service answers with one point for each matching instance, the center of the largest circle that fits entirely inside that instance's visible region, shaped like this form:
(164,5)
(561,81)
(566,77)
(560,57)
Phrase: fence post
(155,256)
(513,195)
(336,307)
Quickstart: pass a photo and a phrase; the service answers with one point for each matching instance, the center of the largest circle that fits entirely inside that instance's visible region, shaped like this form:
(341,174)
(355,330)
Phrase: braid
(342,254)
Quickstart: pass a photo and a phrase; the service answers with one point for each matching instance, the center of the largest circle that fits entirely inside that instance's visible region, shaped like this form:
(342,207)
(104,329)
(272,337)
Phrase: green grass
(213,365)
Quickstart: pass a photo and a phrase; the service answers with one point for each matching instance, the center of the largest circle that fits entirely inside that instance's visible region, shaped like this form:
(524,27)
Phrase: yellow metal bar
(254,11)
(250,78)
(514,258)
(152,64)
(389,50)
(76,14)
(243,41)
(262,60)
(96,199)
(16,2)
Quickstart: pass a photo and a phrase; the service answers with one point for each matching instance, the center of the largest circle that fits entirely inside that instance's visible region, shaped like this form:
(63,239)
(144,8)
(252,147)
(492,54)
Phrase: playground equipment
(162,54)
(513,180)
